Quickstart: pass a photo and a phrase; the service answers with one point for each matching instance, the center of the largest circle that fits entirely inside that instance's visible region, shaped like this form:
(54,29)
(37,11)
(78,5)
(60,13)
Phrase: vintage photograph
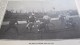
(41,20)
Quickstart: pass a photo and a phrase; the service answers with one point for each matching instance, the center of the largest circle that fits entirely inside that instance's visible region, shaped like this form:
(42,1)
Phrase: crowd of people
(39,24)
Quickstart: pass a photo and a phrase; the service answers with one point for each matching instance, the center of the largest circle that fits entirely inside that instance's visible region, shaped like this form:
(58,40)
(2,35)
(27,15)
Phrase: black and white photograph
(41,20)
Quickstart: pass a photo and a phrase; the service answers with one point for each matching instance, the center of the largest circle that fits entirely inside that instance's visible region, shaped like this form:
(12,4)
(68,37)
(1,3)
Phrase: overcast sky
(41,5)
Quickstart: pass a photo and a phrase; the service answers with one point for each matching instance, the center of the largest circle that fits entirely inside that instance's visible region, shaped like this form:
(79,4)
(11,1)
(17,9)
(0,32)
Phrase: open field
(51,34)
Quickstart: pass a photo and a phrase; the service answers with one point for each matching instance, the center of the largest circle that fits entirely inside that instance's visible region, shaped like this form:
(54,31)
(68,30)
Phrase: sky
(46,5)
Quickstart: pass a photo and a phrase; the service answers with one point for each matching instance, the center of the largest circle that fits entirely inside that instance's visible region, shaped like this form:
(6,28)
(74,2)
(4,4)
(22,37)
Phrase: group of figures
(40,25)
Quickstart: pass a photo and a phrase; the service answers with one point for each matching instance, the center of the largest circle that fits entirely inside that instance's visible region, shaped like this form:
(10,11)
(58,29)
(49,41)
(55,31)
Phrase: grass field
(52,34)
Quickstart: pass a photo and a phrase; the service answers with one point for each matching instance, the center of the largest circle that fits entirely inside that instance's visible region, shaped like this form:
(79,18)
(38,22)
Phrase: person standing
(12,25)
(63,21)
(31,21)
(45,21)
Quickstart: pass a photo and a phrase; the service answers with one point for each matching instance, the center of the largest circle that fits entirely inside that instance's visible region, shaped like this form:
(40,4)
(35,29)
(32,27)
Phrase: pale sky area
(42,5)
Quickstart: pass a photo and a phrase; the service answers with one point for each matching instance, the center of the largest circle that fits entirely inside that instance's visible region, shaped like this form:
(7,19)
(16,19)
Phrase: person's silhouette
(12,25)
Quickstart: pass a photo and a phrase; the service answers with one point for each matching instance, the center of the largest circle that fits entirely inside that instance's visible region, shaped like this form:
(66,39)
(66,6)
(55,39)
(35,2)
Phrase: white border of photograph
(3,4)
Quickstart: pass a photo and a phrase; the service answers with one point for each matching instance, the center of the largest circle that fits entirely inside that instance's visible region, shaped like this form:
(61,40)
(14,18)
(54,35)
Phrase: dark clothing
(32,19)
(46,21)
(12,25)
(44,25)
(62,18)
(12,22)
(71,24)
